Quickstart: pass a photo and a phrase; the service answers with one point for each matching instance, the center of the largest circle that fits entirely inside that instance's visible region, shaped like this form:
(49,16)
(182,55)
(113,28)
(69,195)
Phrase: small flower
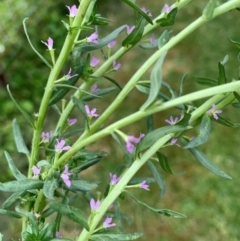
(93,38)
(91,113)
(116,66)
(172,121)
(166,9)
(58,234)
(107,223)
(114,179)
(60,146)
(145,11)
(144,185)
(72,11)
(214,112)
(94,88)
(130,29)
(45,137)
(111,44)
(94,62)
(49,43)
(69,76)
(36,171)
(152,40)
(130,147)
(65,176)
(72,121)
(174,141)
(94,205)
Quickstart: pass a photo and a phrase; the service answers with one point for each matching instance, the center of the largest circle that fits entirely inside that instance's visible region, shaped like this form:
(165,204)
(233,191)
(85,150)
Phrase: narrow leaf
(164,38)
(110,236)
(49,187)
(237,44)
(168,20)
(225,122)
(181,84)
(158,177)
(156,81)
(113,81)
(206,81)
(100,93)
(10,213)
(13,199)
(16,173)
(19,141)
(222,79)
(209,9)
(23,112)
(163,161)
(82,185)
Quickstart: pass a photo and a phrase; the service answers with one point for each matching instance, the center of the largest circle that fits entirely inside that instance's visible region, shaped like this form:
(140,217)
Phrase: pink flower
(152,40)
(49,43)
(45,137)
(65,176)
(94,88)
(60,146)
(58,234)
(132,139)
(93,38)
(91,113)
(145,11)
(166,9)
(36,171)
(130,29)
(69,76)
(94,205)
(111,44)
(214,112)
(94,62)
(72,11)
(114,179)
(116,66)
(144,185)
(72,121)
(107,223)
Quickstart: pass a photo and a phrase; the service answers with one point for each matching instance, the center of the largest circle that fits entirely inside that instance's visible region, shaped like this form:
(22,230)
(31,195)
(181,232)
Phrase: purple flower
(91,113)
(69,76)
(58,234)
(49,43)
(130,29)
(172,121)
(152,40)
(144,185)
(94,88)
(107,223)
(130,147)
(94,62)
(214,112)
(166,9)
(72,11)
(116,66)
(114,179)
(45,137)
(60,146)
(145,11)
(111,44)
(72,121)
(65,176)
(174,141)
(94,205)
(36,171)
(93,38)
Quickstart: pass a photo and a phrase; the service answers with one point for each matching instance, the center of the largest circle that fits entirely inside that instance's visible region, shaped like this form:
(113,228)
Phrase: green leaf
(73,132)
(100,93)
(23,112)
(203,159)
(237,96)
(165,212)
(118,213)
(158,177)
(209,9)
(150,138)
(88,164)
(181,84)
(13,199)
(72,213)
(164,38)
(169,19)
(21,185)
(163,161)
(111,235)
(225,122)
(150,123)
(19,141)
(136,8)
(222,79)
(206,81)
(136,35)
(204,132)
(113,81)
(156,81)
(16,173)
(60,239)
(49,187)
(82,185)
(235,42)
(46,231)
(60,92)
(10,213)
(1,236)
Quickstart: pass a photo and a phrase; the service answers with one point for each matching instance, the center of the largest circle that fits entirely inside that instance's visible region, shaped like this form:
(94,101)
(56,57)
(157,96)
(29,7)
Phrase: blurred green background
(210,203)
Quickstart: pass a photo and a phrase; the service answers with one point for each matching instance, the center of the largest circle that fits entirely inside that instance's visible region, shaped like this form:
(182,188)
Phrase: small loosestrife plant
(56,161)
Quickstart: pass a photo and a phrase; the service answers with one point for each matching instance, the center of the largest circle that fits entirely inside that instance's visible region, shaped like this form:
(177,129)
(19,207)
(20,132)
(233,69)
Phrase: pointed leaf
(222,79)
(60,239)
(204,132)
(16,173)
(46,231)
(156,81)
(158,177)
(181,84)
(225,122)
(235,42)
(110,236)
(24,113)
(100,93)
(87,164)
(164,38)
(168,20)
(19,141)
(72,213)
(163,161)
(206,81)
(203,159)
(10,213)
(22,185)
(209,9)
(82,185)
(237,96)
(49,187)
(113,81)
(165,212)
(13,199)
